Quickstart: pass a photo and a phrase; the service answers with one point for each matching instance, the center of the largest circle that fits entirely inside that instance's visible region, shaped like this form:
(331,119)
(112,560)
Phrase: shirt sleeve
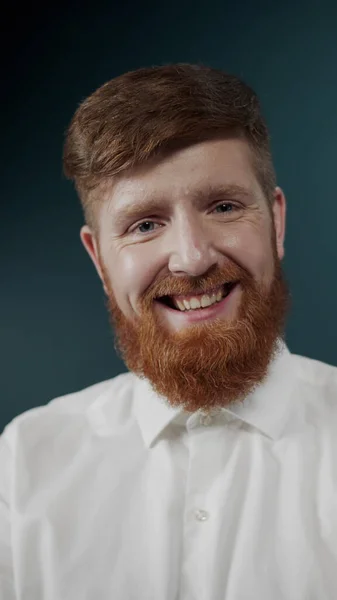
(6,564)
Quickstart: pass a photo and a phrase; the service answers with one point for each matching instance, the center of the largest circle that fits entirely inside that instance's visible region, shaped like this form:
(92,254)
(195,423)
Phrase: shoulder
(45,444)
(66,413)
(315,372)
(317,387)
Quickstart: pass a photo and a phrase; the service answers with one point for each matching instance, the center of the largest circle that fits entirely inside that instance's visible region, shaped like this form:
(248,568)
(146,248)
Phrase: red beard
(213,363)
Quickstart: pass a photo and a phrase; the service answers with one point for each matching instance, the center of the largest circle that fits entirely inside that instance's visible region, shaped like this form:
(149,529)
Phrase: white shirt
(111,494)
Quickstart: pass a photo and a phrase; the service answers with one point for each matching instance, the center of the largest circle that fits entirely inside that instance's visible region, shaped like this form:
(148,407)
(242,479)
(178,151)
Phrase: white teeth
(180,305)
(195,303)
(206,300)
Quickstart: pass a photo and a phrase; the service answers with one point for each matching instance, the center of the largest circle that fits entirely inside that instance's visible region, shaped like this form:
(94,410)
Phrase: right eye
(142,224)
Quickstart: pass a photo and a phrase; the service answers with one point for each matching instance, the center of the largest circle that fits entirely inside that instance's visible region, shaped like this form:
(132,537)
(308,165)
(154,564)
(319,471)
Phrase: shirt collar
(267,408)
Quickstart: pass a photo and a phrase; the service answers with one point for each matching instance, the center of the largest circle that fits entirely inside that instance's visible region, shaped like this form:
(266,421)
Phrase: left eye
(227,205)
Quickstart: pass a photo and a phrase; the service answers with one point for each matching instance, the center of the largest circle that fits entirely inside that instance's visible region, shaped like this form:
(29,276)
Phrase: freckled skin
(184,246)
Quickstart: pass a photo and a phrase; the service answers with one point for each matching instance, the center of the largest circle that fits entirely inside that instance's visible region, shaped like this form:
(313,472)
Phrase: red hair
(152,111)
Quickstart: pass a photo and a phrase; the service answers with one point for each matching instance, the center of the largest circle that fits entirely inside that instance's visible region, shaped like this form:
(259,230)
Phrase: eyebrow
(149,205)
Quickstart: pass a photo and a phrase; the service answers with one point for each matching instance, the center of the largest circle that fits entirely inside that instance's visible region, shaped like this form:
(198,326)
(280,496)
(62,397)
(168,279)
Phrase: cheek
(260,258)
(252,248)
(133,271)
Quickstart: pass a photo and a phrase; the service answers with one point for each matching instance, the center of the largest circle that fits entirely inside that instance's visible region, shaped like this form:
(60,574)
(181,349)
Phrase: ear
(279,216)
(90,244)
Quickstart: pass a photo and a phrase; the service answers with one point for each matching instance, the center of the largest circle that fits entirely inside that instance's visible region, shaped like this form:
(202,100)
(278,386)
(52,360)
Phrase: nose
(193,252)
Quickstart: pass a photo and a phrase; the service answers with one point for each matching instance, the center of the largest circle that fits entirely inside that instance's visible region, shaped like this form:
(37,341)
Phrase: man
(207,471)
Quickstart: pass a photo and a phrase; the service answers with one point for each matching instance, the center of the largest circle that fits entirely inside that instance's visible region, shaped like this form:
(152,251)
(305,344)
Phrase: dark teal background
(55,336)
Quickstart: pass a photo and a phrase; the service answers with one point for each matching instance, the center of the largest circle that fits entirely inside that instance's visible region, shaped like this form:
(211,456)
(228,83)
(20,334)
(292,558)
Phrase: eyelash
(235,207)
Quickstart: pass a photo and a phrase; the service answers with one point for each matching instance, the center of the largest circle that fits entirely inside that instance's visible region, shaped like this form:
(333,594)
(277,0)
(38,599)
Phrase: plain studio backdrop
(55,335)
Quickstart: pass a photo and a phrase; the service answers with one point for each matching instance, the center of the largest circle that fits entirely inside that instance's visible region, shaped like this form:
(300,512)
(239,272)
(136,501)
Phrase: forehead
(187,173)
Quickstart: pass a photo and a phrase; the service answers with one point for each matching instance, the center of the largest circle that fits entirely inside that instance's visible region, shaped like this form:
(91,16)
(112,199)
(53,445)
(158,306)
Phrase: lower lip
(199,314)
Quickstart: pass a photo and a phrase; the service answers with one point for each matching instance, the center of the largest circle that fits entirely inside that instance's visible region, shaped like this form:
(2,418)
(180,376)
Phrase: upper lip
(197,293)
(192,294)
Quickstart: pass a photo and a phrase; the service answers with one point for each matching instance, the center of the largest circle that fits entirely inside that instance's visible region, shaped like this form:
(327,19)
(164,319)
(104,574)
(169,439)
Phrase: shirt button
(201,515)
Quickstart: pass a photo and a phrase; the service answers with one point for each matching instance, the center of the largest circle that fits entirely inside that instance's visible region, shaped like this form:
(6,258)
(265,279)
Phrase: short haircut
(151,112)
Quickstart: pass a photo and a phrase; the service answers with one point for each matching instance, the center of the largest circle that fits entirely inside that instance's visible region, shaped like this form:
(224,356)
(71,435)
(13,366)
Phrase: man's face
(181,226)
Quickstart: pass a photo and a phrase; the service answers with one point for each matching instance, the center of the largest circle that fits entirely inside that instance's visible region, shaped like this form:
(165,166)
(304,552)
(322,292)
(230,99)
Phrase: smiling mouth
(168,300)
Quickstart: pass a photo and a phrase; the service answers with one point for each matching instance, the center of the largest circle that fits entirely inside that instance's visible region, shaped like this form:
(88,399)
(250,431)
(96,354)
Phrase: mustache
(180,286)
(192,289)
